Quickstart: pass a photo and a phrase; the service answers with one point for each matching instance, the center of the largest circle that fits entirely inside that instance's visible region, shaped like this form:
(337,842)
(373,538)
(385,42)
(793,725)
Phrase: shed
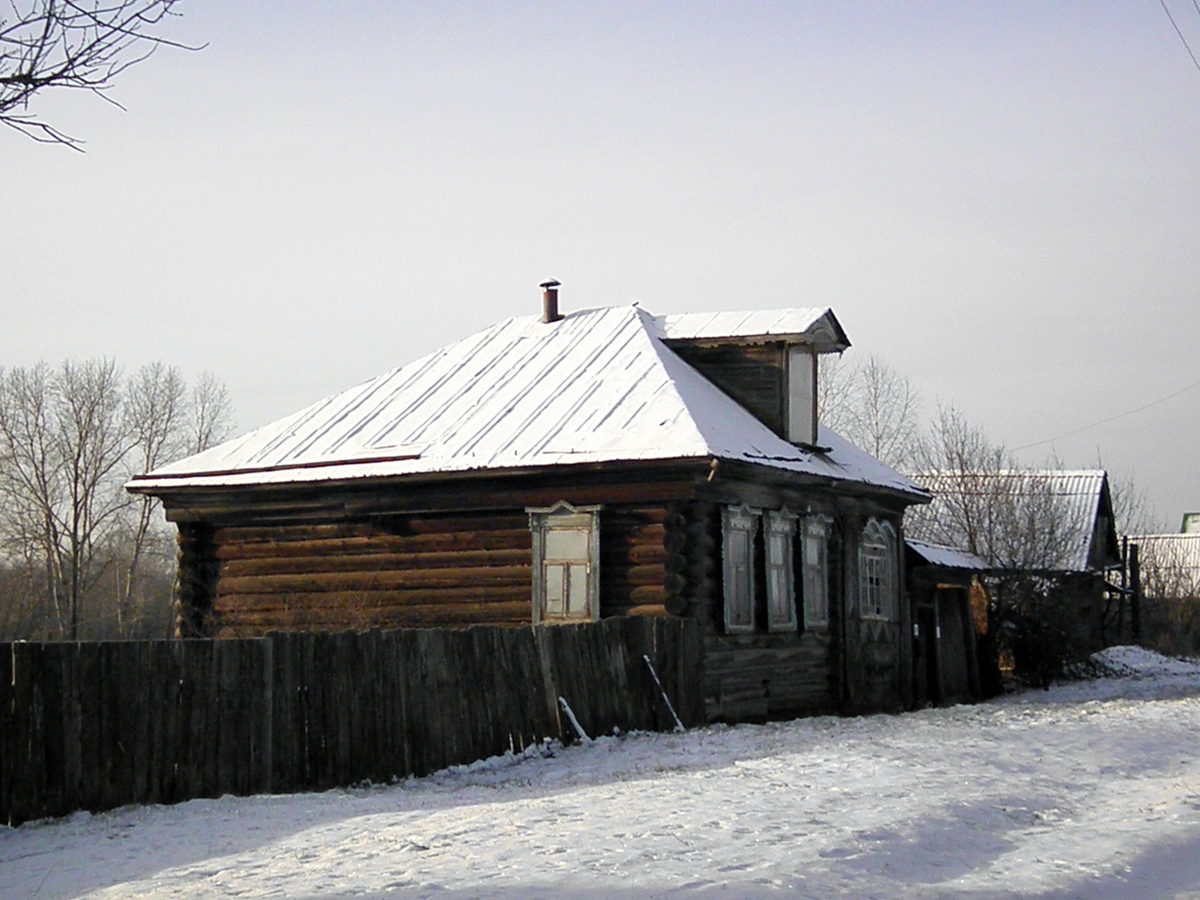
(556,469)
(949,610)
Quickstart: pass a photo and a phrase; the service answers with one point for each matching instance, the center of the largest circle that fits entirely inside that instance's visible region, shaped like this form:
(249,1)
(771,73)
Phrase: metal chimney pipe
(550,311)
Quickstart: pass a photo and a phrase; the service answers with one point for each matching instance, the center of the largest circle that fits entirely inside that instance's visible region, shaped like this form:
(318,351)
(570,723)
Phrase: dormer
(765,360)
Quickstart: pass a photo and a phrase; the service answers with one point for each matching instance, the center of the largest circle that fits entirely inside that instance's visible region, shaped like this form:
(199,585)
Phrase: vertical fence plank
(27,779)
(7,733)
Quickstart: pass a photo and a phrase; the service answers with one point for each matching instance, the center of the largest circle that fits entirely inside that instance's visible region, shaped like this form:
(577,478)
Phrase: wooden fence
(97,725)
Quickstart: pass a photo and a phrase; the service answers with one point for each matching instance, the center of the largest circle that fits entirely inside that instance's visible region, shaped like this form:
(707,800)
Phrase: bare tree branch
(77,44)
(79,557)
(873,406)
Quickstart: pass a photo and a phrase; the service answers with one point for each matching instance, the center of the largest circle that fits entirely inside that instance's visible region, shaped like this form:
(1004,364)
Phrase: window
(739,526)
(802,396)
(781,581)
(815,571)
(876,567)
(566,551)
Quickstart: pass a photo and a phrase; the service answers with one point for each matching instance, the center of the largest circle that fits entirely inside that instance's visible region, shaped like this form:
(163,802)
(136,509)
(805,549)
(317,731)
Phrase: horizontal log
(654,594)
(450,524)
(646,609)
(373,599)
(375,581)
(410,617)
(624,516)
(677,605)
(637,554)
(246,534)
(400,526)
(640,575)
(380,543)
(377,562)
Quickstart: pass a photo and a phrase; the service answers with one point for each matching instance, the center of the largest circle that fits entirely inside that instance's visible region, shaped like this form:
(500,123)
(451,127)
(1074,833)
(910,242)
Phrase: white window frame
(877,582)
(739,525)
(802,395)
(814,571)
(779,539)
(550,567)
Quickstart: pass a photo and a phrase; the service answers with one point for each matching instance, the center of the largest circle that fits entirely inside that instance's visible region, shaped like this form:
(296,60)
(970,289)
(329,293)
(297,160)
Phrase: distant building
(1055,526)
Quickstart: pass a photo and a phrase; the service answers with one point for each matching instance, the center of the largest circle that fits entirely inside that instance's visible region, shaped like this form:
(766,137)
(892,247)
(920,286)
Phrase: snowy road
(1090,790)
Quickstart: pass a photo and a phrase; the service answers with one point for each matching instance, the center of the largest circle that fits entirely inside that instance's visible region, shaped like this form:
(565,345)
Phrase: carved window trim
(566,563)
(878,589)
(814,570)
(739,526)
(779,538)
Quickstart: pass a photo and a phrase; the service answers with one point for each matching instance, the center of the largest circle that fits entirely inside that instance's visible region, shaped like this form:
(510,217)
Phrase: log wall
(765,675)
(398,572)
(449,570)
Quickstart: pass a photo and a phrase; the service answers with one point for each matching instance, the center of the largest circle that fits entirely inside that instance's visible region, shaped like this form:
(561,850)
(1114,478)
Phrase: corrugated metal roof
(816,327)
(1080,498)
(1170,563)
(597,386)
(937,555)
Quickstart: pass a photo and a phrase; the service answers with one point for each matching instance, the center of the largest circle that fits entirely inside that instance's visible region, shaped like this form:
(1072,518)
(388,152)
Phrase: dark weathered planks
(94,726)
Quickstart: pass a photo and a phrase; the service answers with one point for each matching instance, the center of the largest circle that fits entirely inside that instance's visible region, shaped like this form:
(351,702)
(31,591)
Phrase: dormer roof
(815,328)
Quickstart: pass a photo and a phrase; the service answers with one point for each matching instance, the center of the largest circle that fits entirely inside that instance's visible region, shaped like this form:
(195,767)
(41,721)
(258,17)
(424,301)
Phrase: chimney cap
(550,283)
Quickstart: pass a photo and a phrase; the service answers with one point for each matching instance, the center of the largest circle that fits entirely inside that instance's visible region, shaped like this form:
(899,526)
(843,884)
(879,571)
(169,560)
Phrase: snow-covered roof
(818,328)
(948,557)
(596,386)
(1086,536)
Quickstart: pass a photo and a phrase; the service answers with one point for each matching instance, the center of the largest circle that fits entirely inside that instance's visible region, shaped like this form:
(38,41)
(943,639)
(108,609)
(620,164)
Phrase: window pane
(739,527)
(741,610)
(816,577)
(739,548)
(577,590)
(562,543)
(877,587)
(778,595)
(555,590)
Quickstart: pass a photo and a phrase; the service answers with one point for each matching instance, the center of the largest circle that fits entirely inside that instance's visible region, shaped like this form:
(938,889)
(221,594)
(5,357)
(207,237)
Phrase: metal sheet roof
(1170,563)
(1080,501)
(937,555)
(597,386)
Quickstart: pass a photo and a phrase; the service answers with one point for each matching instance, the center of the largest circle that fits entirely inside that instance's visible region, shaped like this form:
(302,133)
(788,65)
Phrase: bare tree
(211,413)
(79,44)
(1170,580)
(72,538)
(1009,516)
(91,441)
(1132,509)
(155,408)
(835,394)
(873,406)
(30,481)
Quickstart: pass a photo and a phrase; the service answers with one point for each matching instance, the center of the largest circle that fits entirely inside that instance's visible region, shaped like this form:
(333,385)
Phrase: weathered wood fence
(93,726)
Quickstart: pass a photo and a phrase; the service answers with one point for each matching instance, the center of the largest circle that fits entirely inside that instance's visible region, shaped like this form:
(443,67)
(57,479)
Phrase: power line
(1121,415)
(1195,62)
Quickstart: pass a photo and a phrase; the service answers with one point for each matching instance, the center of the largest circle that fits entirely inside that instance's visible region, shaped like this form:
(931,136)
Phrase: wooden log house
(557,469)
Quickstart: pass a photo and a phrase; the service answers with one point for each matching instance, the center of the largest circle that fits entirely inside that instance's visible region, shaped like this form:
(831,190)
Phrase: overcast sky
(1002,200)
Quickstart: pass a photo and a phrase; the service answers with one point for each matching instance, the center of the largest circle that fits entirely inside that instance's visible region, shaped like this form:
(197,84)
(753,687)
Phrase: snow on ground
(1090,790)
